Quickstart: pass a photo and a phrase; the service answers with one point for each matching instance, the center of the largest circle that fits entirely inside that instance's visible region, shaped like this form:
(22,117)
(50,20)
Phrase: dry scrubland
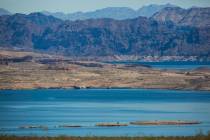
(198,137)
(46,71)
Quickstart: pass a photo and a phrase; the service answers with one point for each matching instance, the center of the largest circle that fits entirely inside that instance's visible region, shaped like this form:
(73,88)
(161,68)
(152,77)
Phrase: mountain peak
(118,13)
(193,16)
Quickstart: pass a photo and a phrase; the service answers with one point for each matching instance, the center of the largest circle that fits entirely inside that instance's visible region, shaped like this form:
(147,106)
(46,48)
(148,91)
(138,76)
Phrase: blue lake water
(87,107)
(168,65)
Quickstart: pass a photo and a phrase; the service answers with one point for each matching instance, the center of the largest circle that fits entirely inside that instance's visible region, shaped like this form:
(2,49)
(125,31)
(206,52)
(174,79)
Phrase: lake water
(168,65)
(86,107)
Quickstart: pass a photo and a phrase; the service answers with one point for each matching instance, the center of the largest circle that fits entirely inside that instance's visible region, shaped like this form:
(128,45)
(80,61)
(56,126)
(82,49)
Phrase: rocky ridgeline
(171,32)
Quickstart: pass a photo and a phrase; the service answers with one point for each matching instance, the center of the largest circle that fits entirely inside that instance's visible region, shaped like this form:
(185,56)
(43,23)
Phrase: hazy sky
(68,6)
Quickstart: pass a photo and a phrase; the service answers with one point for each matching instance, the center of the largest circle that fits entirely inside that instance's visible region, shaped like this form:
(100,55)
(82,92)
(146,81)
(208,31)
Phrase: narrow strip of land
(33,71)
(165,122)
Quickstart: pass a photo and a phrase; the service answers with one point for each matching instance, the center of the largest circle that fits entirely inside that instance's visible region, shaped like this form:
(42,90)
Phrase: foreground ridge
(197,137)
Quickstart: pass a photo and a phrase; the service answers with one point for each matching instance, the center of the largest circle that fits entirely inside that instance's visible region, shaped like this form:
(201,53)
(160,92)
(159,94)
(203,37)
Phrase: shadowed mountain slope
(192,17)
(103,37)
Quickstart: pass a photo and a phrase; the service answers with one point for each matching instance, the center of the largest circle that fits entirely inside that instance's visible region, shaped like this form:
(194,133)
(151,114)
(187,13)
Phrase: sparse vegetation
(197,137)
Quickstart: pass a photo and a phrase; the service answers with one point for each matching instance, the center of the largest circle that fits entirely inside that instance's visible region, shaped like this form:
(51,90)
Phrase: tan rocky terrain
(55,72)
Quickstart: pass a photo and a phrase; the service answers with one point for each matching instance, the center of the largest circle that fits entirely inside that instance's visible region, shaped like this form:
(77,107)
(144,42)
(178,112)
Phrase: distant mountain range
(170,31)
(111,12)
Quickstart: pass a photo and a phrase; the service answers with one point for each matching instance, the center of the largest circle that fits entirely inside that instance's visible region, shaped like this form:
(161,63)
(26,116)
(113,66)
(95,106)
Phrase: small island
(111,124)
(165,122)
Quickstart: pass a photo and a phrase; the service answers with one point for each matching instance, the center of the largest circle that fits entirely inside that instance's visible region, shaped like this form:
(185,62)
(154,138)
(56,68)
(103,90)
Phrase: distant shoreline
(107,88)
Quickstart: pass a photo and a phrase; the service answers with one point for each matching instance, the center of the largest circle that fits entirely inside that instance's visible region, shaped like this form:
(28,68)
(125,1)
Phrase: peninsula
(29,70)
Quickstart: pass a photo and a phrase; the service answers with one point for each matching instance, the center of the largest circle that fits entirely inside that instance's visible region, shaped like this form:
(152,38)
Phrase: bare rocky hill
(186,34)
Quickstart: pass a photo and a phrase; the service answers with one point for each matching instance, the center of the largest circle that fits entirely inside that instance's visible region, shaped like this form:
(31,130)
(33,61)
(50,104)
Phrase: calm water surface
(90,106)
(168,65)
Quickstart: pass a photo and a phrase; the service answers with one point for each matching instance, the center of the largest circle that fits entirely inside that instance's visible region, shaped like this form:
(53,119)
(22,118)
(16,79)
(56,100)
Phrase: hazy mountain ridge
(4,12)
(149,10)
(103,37)
(111,12)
